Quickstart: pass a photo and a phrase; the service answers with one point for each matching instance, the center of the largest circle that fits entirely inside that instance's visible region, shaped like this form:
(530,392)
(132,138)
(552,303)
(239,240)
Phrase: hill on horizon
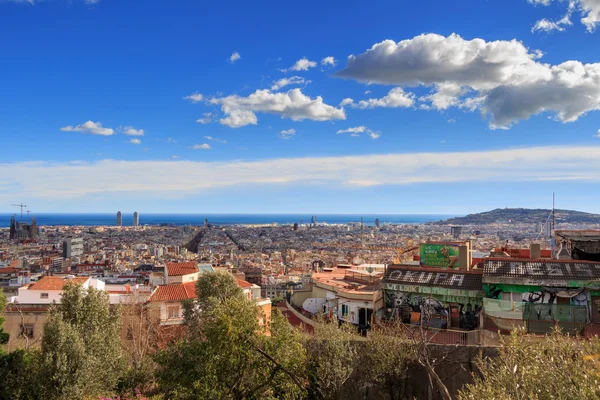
(524,215)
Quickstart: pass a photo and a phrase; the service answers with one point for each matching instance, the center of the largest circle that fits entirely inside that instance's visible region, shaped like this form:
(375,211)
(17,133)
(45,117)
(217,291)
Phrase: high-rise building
(13,227)
(456,231)
(377,222)
(34,229)
(72,247)
(313,220)
(119,219)
(136,219)
(206,222)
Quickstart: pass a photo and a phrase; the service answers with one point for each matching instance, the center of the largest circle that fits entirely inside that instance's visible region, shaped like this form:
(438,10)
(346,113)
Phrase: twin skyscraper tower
(136,219)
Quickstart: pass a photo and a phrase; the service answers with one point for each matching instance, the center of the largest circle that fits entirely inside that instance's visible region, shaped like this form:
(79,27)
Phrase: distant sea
(222,219)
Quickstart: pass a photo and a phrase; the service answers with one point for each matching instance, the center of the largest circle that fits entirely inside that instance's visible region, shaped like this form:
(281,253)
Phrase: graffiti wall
(433,312)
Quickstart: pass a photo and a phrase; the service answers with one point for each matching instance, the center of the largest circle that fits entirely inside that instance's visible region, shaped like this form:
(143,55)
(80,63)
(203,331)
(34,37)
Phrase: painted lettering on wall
(423,277)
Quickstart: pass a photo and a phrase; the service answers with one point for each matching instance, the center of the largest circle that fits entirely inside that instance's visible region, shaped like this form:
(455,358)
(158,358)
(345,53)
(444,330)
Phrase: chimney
(534,251)
(464,257)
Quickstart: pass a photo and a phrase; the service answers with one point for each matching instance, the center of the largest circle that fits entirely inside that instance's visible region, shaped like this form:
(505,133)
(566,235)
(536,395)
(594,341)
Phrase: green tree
(19,375)
(81,350)
(333,355)
(3,335)
(227,354)
(387,357)
(527,367)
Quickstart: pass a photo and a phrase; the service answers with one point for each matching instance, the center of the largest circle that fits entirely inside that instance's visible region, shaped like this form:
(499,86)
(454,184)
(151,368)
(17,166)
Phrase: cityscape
(320,200)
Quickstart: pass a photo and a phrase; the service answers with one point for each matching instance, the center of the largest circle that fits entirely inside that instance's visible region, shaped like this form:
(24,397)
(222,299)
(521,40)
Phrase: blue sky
(458,107)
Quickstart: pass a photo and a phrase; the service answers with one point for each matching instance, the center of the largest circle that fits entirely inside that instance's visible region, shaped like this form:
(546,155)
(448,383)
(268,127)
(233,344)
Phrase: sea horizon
(182,219)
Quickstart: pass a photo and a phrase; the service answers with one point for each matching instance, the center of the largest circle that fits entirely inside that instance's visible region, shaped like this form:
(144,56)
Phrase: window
(345,310)
(27,330)
(173,312)
(43,295)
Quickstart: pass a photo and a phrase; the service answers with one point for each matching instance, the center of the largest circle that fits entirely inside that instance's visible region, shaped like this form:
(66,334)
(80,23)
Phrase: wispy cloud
(130,130)
(135,141)
(357,130)
(95,128)
(304,64)
(292,80)
(213,139)
(187,178)
(234,57)
(194,97)
(207,118)
(328,62)
(287,133)
(204,146)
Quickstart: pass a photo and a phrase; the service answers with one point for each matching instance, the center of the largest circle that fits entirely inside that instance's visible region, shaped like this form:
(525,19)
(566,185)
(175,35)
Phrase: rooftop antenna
(22,207)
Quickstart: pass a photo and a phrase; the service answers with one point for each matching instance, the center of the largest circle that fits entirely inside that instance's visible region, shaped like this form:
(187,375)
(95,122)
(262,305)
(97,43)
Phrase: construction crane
(22,207)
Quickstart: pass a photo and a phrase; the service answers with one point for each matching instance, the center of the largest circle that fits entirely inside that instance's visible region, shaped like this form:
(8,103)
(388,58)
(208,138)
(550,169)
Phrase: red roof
(8,270)
(181,268)
(56,282)
(244,284)
(179,292)
(15,263)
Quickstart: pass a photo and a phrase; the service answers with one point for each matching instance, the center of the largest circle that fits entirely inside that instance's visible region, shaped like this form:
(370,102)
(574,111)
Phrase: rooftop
(179,292)
(541,269)
(433,277)
(181,268)
(56,282)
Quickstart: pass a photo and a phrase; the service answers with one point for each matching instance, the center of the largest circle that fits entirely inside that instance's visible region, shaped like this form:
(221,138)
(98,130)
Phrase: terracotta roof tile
(243,284)
(181,268)
(8,270)
(179,292)
(56,282)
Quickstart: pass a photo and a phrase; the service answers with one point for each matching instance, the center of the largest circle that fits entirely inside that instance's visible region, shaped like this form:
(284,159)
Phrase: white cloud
(374,135)
(52,180)
(292,80)
(598,134)
(328,61)
(451,121)
(588,9)
(494,77)
(194,97)
(396,97)
(547,26)
(356,129)
(367,92)
(234,57)
(94,128)
(539,2)
(207,118)
(213,139)
(239,118)
(347,101)
(135,141)
(303,64)
(240,111)
(130,130)
(288,133)
(204,146)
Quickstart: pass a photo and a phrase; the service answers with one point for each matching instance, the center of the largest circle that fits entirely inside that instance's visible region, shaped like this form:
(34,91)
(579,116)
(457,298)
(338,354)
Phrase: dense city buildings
(459,278)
